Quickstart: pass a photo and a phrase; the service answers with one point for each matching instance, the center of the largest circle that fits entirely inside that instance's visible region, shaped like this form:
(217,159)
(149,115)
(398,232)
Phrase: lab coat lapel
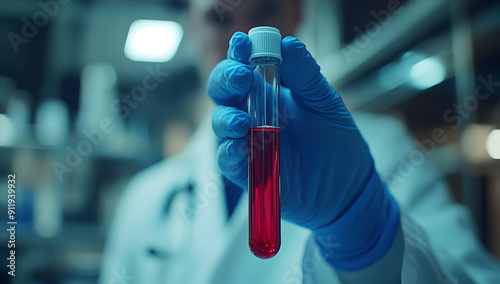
(209,238)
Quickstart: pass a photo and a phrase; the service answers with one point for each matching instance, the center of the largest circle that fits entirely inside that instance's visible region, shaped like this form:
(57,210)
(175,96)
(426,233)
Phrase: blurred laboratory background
(94,91)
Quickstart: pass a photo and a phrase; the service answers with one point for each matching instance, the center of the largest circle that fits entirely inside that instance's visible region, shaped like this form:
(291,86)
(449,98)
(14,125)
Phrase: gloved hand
(328,180)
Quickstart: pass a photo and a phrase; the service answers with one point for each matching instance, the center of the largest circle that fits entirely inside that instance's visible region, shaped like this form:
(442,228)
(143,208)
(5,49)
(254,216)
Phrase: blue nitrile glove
(328,180)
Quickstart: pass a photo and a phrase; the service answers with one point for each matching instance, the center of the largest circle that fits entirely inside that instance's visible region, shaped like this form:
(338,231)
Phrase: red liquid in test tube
(264,191)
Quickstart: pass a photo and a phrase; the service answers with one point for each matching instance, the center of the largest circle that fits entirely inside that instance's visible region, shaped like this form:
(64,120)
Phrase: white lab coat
(438,236)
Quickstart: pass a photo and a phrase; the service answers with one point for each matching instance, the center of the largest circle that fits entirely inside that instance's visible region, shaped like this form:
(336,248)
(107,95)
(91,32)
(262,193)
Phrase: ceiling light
(153,41)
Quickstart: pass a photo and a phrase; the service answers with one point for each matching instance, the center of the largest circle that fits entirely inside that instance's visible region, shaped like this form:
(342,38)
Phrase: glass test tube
(264,144)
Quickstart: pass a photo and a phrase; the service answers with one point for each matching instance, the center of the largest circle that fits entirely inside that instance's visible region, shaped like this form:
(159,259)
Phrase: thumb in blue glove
(328,180)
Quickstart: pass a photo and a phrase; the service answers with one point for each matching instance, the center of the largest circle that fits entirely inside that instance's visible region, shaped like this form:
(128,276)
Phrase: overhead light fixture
(493,144)
(153,40)
(427,73)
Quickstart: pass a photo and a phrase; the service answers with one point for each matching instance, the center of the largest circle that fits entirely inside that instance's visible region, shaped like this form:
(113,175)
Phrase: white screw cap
(266,42)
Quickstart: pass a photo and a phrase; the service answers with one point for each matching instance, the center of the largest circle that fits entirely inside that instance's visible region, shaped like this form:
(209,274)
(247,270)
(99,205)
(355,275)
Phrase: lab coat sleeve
(409,260)
(436,242)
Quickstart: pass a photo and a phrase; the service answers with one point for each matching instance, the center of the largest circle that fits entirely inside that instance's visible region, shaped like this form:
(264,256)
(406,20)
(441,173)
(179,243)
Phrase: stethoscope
(175,228)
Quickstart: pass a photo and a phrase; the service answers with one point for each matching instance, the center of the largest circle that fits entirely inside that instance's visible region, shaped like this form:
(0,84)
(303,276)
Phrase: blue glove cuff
(364,233)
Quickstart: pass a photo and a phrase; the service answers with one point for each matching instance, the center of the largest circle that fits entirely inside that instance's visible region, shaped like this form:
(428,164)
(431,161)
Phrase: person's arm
(436,242)
(328,179)
(386,270)
(409,260)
